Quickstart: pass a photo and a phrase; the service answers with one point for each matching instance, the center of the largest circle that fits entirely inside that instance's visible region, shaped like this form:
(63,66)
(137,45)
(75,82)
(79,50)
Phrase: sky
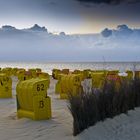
(70,16)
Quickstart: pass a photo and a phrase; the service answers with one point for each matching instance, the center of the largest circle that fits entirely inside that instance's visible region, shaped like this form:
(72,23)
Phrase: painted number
(40,87)
(41,104)
(77,79)
(1,83)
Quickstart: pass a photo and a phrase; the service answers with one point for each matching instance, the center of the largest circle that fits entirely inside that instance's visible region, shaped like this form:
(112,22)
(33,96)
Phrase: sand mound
(122,127)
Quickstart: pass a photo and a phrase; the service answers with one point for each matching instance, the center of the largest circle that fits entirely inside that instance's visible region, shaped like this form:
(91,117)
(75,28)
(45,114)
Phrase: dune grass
(89,108)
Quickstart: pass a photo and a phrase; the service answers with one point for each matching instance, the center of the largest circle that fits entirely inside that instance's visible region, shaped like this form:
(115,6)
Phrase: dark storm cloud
(70,15)
(109,1)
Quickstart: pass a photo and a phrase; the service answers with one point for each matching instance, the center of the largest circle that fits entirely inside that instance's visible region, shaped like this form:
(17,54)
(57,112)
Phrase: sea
(49,66)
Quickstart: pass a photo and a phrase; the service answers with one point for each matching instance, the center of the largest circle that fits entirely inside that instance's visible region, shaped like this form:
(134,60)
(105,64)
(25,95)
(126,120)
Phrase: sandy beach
(60,126)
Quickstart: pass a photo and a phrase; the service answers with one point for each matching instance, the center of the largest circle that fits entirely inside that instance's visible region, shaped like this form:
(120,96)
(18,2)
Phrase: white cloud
(41,46)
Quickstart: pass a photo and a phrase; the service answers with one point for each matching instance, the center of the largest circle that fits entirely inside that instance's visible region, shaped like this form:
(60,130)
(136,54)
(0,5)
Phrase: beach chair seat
(5,86)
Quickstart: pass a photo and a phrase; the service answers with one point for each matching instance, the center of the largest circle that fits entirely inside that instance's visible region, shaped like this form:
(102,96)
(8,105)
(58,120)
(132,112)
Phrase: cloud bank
(37,44)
